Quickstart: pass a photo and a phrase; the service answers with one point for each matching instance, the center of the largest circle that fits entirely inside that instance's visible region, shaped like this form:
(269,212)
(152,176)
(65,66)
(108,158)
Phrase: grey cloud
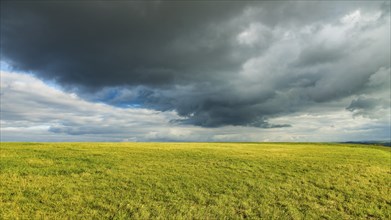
(370,107)
(364,103)
(214,63)
(319,54)
(97,44)
(23,112)
(74,130)
(66,117)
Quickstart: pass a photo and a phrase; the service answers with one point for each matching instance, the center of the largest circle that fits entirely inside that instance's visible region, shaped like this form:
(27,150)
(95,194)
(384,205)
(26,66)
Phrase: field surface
(194,181)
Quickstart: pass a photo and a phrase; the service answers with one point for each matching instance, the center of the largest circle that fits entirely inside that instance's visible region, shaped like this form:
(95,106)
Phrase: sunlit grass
(194,180)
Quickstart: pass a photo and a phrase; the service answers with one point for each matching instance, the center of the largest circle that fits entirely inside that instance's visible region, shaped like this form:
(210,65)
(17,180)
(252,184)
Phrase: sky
(195,71)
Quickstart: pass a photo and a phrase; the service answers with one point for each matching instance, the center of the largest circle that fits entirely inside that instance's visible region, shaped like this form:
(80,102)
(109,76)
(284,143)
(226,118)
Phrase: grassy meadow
(194,181)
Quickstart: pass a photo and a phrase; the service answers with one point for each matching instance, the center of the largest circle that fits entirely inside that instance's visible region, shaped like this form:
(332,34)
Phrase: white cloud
(334,125)
(351,18)
(34,111)
(28,104)
(256,33)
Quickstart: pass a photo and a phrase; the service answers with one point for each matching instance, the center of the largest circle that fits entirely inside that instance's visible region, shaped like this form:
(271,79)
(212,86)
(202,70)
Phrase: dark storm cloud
(214,63)
(96,44)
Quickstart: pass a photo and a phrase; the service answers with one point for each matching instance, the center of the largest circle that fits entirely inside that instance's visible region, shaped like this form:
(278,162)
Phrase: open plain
(194,181)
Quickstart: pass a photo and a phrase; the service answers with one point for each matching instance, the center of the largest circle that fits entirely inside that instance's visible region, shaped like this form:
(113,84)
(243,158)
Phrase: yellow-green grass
(194,181)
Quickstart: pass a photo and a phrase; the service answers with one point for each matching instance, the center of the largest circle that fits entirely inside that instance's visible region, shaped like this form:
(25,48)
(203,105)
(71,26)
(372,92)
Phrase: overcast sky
(195,71)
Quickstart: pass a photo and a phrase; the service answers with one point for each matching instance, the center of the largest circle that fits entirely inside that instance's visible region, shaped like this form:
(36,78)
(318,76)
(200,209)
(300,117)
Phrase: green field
(194,181)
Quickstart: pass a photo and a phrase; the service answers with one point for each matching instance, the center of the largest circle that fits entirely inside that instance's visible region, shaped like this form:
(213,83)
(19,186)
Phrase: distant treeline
(382,143)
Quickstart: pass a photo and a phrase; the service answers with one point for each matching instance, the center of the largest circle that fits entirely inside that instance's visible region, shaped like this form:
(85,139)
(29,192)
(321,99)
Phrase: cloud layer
(213,64)
(32,110)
